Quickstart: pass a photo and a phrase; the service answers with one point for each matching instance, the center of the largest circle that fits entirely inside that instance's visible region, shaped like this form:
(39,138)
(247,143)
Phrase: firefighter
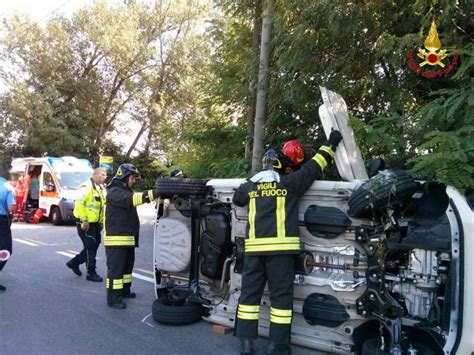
(88,211)
(177,172)
(121,232)
(295,154)
(271,243)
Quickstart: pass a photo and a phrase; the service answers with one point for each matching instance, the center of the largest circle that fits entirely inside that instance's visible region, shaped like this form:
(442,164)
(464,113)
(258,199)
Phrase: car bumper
(66,208)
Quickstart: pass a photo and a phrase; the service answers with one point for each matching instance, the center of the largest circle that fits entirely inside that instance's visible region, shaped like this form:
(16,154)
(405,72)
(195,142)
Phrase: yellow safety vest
(90,203)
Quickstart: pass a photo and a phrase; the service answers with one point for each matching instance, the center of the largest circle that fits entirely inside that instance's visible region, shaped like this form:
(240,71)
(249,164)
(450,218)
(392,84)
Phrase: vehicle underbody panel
(393,275)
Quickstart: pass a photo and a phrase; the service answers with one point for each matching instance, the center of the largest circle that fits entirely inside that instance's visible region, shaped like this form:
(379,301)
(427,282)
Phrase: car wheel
(172,313)
(387,188)
(168,187)
(56,218)
(178,297)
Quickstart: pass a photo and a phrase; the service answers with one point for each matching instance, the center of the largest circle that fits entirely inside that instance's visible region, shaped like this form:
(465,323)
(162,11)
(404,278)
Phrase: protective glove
(334,138)
(85,226)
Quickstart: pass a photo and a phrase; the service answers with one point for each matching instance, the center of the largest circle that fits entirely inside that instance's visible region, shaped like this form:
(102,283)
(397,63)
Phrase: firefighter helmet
(124,171)
(274,160)
(177,172)
(294,151)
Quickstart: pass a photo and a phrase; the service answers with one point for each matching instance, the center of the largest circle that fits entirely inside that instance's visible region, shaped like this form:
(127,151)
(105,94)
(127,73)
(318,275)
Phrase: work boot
(246,346)
(94,277)
(117,305)
(114,300)
(74,268)
(278,349)
(129,294)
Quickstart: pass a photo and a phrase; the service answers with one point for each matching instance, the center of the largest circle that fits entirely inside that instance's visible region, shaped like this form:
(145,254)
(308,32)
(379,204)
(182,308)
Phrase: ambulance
(50,184)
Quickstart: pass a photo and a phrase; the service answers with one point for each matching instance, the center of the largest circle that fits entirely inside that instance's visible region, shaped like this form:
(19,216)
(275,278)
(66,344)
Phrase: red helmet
(294,151)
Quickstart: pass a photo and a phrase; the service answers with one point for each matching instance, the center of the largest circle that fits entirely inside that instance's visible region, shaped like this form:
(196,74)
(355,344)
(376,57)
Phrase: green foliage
(68,81)
(383,138)
(445,127)
(213,150)
(358,49)
(187,78)
(150,169)
(450,159)
(231,63)
(209,141)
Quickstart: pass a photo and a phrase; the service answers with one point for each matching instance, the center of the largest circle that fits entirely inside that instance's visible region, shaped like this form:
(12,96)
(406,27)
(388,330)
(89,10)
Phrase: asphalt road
(46,309)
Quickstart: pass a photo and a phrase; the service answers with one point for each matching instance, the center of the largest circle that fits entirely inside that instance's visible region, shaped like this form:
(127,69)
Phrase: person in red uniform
(21,195)
(272,241)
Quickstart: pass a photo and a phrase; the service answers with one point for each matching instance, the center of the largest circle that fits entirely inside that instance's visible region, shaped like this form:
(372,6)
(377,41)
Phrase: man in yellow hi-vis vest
(121,232)
(271,243)
(88,211)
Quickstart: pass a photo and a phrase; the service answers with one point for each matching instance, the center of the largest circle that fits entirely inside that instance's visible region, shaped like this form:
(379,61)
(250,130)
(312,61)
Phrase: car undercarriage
(382,268)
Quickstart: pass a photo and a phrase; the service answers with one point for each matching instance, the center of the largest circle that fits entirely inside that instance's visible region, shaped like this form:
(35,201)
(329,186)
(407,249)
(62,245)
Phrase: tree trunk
(146,151)
(137,138)
(257,26)
(262,90)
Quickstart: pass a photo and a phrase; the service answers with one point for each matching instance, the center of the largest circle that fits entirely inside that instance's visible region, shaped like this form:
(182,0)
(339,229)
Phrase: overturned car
(385,266)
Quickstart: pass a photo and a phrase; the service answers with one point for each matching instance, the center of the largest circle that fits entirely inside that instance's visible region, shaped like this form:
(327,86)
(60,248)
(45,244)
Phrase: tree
(70,81)
(262,91)
(358,49)
(188,78)
(252,95)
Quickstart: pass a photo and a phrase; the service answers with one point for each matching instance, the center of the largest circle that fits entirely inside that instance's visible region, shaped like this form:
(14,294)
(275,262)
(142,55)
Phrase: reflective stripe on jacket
(273,226)
(122,225)
(90,202)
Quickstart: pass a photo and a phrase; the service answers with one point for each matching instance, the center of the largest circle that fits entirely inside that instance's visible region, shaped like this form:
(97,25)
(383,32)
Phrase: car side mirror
(50,188)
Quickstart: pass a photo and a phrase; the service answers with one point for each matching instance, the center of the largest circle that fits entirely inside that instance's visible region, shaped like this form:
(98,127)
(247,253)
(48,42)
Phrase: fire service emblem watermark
(432,57)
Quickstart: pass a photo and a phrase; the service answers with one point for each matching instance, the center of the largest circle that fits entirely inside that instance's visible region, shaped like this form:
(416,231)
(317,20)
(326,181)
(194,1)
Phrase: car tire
(169,186)
(166,312)
(387,188)
(177,297)
(56,218)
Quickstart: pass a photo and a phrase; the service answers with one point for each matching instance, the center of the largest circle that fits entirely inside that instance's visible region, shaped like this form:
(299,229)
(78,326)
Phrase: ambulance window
(48,182)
